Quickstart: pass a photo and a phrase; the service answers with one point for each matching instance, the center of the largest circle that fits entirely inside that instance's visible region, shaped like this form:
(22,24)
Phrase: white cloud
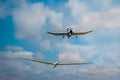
(29,19)
(45,45)
(105,2)
(6,7)
(13,48)
(102,54)
(12,65)
(100,72)
(103,48)
(85,51)
(77,8)
(16,52)
(70,57)
(90,72)
(102,4)
(108,55)
(55,19)
(86,17)
(105,19)
(39,56)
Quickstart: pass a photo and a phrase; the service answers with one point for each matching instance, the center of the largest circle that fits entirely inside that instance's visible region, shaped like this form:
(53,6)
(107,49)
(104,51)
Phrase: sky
(23,33)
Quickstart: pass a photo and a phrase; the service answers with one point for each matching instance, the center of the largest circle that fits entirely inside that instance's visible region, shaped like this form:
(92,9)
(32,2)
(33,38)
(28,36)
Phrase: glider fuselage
(55,65)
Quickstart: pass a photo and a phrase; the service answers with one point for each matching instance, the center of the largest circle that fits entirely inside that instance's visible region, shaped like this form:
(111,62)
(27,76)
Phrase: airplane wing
(57,34)
(73,63)
(81,33)
(50,63)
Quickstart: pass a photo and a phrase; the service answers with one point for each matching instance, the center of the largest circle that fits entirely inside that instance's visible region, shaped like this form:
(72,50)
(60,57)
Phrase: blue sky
(23,27)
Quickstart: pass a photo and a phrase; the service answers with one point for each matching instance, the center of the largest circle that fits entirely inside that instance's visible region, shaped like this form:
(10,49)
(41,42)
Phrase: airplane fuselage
(69,34)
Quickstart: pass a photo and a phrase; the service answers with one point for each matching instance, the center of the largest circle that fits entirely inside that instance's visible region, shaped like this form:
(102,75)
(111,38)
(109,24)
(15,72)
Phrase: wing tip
(89,63)
(24,58)
(48,32)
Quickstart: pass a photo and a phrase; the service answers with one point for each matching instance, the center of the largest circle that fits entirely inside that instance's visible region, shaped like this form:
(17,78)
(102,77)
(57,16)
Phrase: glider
(69,33)
(55,64)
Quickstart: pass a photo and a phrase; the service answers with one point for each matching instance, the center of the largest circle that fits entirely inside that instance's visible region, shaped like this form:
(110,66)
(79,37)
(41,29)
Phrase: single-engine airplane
(69,33)
(55,64)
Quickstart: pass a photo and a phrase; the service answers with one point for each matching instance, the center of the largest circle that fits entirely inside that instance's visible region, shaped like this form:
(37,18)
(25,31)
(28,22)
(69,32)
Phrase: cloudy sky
(23,27)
